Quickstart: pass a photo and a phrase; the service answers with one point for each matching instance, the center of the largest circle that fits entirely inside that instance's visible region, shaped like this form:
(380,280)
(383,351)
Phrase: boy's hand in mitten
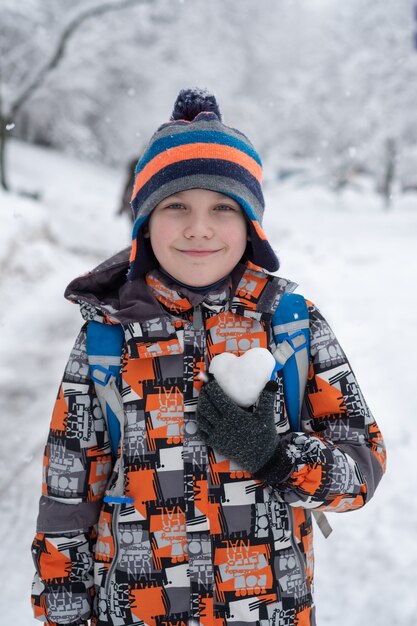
(249,438)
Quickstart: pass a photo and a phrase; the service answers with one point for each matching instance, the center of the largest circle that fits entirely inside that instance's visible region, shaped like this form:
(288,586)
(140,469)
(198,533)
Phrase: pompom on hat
(195,150)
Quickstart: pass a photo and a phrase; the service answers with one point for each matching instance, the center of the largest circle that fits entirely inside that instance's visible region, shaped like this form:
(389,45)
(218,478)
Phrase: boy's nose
(198,227)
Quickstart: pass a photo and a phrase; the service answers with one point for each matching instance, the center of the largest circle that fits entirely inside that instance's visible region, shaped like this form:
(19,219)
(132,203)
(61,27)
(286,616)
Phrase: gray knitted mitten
(247,437)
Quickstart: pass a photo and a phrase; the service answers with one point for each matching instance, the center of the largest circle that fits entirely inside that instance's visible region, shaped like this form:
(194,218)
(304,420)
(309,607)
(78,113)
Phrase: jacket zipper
(112,567)
(198,317)
(295,545)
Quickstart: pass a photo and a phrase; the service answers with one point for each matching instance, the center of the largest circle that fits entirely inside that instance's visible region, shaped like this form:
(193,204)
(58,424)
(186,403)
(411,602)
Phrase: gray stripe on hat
(177,129)
(222,184)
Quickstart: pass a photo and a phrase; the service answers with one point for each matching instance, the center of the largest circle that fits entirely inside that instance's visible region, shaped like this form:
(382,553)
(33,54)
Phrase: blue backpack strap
(290,326)
(291,329)
(104,351)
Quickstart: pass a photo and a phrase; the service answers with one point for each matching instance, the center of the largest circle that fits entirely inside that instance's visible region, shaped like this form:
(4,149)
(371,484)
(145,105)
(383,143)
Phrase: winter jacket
(195,539)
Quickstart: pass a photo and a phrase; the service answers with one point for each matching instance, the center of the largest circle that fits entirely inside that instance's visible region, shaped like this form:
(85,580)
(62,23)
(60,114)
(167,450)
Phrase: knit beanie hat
(195,150)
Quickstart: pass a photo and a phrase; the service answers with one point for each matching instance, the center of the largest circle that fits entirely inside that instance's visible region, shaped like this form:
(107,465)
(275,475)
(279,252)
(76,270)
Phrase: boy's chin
(200,283)
(199,279)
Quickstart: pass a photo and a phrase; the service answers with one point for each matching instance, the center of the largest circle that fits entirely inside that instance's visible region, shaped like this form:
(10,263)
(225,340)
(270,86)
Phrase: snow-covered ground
(351,257)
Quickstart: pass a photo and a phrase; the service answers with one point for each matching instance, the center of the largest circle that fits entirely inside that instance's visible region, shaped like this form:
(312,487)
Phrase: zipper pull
(197,317)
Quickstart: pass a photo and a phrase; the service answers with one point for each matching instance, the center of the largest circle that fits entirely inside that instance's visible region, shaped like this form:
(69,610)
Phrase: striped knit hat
(195,150)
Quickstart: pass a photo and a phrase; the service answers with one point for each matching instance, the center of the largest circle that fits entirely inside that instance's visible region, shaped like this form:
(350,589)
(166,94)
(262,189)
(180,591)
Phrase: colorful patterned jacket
(196,540)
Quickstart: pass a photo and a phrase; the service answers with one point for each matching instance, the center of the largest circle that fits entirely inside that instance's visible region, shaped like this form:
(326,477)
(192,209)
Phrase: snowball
(242,378)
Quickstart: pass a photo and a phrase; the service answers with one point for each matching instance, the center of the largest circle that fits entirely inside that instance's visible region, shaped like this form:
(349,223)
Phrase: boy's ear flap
(145,259)
(145,231)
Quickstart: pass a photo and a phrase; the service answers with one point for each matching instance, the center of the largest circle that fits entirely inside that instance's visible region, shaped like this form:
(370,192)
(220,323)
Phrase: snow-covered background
(355,260)
(320,86)
(326,91)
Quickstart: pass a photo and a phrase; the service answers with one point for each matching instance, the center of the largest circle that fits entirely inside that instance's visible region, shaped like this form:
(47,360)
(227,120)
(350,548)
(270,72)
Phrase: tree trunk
(3,138)
(389,171)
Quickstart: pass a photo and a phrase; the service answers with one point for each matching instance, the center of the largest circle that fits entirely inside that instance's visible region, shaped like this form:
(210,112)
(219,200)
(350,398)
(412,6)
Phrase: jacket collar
(106,290)
(178,299)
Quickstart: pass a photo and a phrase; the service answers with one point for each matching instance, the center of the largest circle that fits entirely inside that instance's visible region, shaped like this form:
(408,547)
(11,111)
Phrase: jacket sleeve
(336,463)
(76,469)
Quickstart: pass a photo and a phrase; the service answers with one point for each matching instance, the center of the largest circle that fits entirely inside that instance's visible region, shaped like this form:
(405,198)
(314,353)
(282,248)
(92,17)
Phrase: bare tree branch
(7,116)
(59,52)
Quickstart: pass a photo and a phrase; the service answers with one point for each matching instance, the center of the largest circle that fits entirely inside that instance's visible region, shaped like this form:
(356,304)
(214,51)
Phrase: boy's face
(198,236)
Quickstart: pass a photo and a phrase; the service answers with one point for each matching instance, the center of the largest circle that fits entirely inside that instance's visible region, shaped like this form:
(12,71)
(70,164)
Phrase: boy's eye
(226,207)
(175,205)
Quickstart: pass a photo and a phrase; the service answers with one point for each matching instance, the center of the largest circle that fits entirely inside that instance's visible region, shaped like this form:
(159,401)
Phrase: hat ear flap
(144,260)
(258,249)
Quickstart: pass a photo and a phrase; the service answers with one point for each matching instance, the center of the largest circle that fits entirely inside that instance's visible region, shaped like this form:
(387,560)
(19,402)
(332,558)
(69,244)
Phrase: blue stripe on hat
(195,136)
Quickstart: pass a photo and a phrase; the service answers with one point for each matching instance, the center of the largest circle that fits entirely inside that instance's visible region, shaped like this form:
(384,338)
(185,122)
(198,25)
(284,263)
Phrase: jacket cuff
(279,467)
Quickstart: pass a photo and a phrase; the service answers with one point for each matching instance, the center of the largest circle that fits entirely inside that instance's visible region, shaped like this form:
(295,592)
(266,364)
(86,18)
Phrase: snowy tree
(27,61)
(322,86)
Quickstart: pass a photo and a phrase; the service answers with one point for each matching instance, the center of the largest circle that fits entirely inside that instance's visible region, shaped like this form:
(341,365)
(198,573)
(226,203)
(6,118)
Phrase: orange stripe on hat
(196,151)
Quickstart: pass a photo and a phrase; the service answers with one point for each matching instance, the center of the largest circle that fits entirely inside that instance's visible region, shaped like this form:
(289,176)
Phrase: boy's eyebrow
(173,197)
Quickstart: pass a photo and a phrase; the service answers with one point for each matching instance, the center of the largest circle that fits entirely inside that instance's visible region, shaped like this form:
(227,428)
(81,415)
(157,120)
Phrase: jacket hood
(107,289)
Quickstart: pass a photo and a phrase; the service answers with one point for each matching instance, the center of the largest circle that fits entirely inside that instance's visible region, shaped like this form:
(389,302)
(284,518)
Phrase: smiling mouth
(199,253)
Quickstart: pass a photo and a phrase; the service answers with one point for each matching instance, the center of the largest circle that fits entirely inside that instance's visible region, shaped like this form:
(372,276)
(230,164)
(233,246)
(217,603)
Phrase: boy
(205,517)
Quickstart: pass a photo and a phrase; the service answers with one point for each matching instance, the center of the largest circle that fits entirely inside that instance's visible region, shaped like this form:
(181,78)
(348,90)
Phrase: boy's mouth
(199,252)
